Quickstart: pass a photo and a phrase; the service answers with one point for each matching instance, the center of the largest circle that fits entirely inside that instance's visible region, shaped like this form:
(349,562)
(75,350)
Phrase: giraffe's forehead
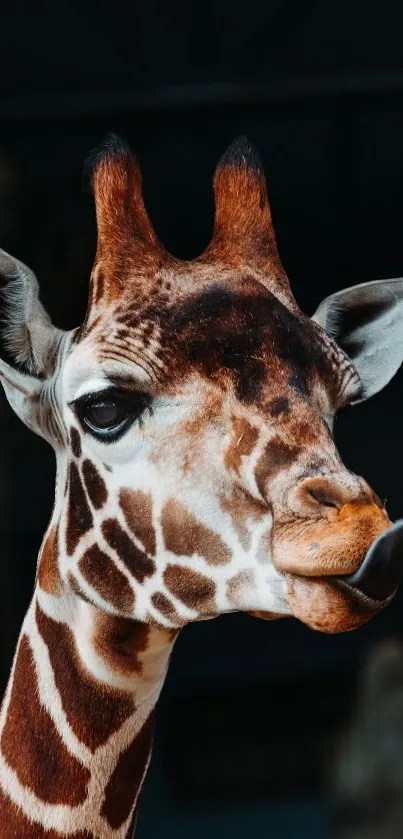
(225,330)
(249,333)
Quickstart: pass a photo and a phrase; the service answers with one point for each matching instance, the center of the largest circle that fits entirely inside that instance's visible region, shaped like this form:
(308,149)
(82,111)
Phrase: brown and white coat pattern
(197,474)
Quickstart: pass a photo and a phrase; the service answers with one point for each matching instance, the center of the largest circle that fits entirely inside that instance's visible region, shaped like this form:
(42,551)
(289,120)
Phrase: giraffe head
(191,415)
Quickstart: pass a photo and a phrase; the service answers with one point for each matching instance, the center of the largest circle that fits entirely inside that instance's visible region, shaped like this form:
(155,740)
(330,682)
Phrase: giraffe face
(214,466)
(191,416)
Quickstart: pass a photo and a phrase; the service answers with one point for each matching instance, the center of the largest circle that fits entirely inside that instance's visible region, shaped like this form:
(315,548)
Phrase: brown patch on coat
(48,570)
(194,590)
(279,406)
(236,330)
(126,780)
(243,440)
(79,516)
(138,511)
(136,560)
(43,764)
(119,641)
(75,441)
(93,709)
(184,535)
(107,579)
(215,333)
(236,586)
(278,455)
(95,485)
(15,825)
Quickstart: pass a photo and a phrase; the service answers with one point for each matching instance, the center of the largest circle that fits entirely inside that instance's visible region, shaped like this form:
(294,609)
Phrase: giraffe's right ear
(28,339)
(366,321)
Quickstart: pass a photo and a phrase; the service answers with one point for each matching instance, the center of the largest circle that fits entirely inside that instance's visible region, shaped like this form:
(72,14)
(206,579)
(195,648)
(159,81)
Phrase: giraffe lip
(377,579)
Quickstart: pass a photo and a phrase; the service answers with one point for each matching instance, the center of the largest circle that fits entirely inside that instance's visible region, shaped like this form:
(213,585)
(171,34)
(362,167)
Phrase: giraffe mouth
(380,573)
(340,603)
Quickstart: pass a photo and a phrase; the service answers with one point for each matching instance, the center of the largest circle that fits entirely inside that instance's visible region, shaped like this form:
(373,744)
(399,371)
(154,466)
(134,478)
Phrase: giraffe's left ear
(28,340)
(28,336)
(366,321)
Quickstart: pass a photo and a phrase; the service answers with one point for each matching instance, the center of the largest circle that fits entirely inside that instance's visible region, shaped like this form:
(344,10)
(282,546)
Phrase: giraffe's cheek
(324,607)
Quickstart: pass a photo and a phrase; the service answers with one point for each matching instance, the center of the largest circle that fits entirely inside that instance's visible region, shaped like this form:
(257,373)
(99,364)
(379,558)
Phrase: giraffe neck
(77,719)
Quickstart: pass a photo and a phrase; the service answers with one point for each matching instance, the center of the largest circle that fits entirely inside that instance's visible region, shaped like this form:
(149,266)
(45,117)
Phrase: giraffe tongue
(381,571)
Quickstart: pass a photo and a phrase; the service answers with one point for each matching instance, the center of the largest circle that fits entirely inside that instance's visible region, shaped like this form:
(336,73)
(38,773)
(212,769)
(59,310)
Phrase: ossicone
(117,185)
(243,227)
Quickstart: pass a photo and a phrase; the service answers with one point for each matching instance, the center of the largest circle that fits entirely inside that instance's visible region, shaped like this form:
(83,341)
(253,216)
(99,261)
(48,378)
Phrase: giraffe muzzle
(381,571)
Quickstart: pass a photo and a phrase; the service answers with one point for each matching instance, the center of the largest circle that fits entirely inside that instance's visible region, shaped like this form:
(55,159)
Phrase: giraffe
(191,416)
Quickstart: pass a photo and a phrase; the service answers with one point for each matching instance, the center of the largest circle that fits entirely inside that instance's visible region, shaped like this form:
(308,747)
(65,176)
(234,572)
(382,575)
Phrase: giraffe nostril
(323,492)
(325,499)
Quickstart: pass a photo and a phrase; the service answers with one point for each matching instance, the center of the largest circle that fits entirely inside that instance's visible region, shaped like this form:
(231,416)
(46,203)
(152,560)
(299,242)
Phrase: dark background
(251,709)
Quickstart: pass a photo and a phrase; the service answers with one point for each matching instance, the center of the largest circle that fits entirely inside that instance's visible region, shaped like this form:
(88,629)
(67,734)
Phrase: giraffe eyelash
(109,413)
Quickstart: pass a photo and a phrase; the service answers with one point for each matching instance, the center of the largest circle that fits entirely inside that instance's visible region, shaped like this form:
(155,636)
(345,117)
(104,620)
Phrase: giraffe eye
(109,414)
(104,415)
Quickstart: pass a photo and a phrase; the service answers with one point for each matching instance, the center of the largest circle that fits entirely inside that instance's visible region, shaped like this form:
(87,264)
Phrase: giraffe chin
(328,607)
